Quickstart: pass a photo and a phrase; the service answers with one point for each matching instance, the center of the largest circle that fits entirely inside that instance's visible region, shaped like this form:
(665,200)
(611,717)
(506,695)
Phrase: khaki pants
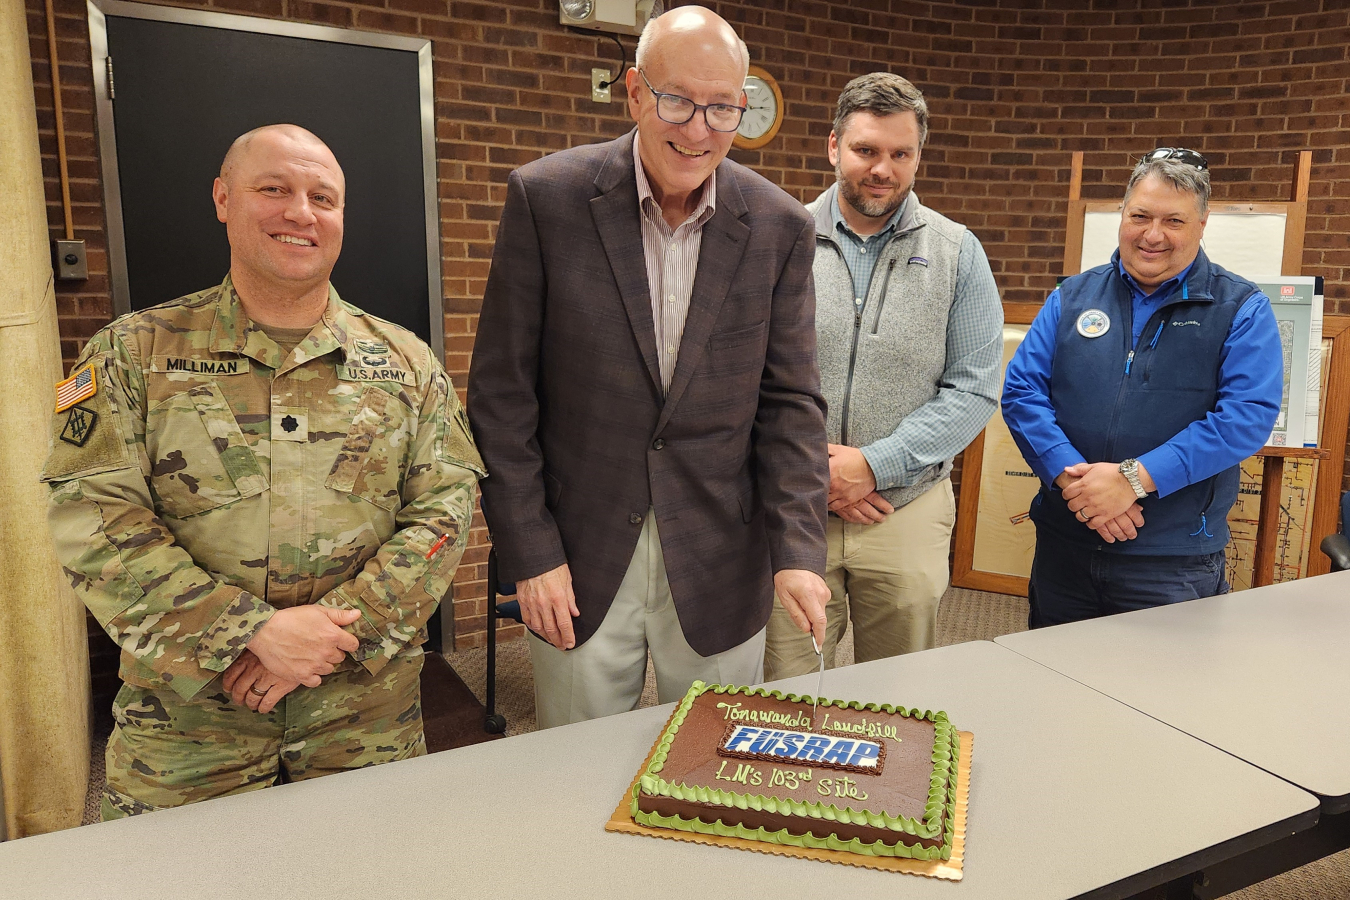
(887,577)
(605,675)
(167,751)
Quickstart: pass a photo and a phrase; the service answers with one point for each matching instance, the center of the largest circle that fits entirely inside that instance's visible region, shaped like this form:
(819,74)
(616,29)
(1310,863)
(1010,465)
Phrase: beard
(872,207)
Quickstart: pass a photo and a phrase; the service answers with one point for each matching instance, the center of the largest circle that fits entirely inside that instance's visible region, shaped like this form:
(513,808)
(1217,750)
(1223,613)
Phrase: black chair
(495,723)
(1337,546)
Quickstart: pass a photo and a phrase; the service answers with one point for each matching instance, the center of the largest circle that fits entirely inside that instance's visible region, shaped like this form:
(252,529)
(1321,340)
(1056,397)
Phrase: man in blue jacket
(1138,390)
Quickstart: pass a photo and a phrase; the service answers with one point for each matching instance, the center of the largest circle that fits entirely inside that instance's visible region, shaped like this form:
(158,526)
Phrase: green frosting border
(941,792)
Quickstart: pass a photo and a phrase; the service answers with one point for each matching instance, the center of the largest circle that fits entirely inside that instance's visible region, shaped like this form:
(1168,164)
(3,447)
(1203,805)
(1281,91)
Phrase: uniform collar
(234,332)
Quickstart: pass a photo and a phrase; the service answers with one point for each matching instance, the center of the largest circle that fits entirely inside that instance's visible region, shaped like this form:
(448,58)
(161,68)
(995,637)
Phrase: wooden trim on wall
(1334,421)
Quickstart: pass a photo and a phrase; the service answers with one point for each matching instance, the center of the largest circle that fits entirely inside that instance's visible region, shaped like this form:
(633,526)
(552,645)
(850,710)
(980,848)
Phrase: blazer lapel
(615,213)
(725,237)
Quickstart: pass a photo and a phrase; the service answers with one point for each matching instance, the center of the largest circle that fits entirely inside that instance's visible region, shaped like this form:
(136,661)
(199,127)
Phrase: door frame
(99,10)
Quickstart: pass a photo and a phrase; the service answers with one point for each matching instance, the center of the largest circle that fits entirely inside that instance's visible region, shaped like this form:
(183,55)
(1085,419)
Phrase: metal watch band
(1130,469)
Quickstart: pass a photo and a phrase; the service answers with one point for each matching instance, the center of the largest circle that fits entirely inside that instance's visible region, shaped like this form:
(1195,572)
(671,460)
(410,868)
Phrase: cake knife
(820,681)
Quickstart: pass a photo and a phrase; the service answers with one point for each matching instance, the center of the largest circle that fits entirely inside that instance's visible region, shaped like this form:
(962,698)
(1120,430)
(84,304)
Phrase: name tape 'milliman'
(803,747)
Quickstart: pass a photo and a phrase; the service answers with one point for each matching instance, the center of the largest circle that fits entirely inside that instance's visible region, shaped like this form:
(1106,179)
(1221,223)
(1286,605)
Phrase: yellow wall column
(44,665)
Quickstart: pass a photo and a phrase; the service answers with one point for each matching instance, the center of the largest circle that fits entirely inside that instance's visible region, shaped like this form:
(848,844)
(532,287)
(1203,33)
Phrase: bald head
(288,140)
(688,29)
(281,195)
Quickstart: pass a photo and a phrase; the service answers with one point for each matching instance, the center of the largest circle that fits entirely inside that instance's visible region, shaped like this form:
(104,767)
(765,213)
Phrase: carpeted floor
(964,616)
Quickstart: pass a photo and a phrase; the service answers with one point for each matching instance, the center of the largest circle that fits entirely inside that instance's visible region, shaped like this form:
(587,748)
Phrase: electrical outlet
(599,94)
(71,264)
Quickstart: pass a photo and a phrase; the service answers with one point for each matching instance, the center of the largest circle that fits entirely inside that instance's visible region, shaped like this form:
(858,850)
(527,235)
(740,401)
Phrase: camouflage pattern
(220,482)
(166,751)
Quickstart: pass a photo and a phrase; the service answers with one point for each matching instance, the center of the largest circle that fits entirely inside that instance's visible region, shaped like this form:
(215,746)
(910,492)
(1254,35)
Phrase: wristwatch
(1130,469)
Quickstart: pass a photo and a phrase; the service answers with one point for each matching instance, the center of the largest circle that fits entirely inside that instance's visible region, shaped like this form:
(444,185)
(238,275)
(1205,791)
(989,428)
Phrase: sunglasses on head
(1181,154)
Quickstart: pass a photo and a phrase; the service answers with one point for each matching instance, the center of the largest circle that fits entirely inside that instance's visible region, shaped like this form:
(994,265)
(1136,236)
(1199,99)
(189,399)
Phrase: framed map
(995,538)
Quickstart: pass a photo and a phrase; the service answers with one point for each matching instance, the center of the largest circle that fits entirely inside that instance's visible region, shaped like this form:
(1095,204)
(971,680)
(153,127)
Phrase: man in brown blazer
(645,394)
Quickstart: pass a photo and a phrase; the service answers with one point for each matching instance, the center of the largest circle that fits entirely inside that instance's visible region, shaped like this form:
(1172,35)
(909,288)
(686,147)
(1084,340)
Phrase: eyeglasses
(1181,154)
(678,110)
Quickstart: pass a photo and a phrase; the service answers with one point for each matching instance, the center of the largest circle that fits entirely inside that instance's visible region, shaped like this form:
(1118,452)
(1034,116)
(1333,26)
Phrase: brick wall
(1013,86)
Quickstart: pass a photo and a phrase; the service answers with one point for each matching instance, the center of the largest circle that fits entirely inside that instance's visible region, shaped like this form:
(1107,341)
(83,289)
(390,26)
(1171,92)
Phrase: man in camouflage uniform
(261,482)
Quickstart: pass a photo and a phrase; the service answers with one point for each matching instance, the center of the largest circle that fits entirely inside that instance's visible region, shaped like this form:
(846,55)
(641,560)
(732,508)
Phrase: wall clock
(763,113)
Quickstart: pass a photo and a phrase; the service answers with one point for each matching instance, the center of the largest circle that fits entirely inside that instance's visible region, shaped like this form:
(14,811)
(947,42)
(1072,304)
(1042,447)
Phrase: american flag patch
(77,387)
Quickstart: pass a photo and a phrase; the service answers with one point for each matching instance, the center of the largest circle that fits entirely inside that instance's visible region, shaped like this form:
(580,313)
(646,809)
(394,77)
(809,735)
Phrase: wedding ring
(256,692)
(1081,517)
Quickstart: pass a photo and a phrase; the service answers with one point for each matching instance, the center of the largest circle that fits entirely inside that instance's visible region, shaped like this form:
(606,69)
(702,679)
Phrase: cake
(874,779)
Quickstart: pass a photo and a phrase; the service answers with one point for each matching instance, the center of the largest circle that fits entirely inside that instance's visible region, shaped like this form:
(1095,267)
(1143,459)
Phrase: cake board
(947,869)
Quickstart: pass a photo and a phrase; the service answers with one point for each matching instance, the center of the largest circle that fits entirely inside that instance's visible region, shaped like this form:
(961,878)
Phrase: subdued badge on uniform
(80,424)
(186,365)
(1094,323)
(373,373)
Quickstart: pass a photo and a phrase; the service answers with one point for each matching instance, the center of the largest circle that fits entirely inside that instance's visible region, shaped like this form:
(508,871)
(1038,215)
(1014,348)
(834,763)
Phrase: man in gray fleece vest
(910,331)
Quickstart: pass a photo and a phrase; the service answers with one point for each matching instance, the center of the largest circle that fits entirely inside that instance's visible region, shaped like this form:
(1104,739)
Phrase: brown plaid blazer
(564,395)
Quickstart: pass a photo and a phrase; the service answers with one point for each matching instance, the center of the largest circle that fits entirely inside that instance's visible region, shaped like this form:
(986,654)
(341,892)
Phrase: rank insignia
(1094,323)
(79,425)
(81,385)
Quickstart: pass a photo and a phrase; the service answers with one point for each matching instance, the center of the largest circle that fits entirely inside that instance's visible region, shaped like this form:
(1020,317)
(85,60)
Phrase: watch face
(761,108)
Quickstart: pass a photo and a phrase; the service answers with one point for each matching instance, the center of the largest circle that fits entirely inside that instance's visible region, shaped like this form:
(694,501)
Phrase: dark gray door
(183,92)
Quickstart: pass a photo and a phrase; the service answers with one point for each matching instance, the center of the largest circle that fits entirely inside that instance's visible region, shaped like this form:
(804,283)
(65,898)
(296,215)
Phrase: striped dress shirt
(672,260)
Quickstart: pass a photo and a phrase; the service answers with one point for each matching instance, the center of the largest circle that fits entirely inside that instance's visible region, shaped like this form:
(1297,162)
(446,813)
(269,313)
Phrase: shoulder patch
(81,385)
(86,437)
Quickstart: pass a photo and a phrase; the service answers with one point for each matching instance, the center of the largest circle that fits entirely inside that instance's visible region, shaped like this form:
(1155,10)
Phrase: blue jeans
(1071,582)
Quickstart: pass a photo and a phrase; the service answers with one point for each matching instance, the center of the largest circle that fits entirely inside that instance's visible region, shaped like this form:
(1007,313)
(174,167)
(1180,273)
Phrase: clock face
(761,109)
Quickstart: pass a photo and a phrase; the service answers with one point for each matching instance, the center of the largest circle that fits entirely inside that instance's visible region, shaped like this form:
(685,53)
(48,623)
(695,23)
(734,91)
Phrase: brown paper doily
(948,869)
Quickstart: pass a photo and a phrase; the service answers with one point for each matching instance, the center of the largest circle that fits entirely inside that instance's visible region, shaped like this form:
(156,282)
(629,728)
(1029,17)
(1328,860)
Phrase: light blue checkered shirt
(860,253)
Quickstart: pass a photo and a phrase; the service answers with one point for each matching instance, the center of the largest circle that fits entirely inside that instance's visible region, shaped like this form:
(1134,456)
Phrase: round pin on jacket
(1094,323)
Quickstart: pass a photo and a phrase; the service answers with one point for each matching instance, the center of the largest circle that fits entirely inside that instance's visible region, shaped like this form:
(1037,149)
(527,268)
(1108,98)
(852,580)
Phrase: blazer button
(635,519)
(658,444)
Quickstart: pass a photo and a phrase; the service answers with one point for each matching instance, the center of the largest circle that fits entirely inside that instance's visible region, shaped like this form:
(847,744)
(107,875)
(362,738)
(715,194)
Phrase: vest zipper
(1153,346)
(881,297)
(848,382)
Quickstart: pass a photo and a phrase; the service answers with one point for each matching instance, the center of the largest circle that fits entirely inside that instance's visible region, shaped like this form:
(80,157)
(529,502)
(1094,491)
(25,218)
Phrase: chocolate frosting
(900,789)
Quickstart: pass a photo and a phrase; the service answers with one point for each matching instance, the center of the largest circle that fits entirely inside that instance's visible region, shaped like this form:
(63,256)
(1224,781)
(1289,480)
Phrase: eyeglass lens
(677,110)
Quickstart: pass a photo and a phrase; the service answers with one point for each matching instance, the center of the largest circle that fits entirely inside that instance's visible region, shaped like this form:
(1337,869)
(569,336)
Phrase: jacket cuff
(1165,468)
(374,650)
(1055,460)
(226,638)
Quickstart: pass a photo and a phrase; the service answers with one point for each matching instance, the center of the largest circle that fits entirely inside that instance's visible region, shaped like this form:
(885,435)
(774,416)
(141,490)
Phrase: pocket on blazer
(737,337)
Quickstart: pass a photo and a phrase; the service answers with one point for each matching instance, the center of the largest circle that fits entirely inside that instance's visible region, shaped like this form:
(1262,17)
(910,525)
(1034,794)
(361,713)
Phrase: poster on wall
(1005,538)
(1298,314)
(1293,530)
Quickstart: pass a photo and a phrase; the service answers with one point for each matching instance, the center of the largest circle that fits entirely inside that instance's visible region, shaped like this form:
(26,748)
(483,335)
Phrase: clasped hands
(853,488)
(296,646)
(1101,498)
